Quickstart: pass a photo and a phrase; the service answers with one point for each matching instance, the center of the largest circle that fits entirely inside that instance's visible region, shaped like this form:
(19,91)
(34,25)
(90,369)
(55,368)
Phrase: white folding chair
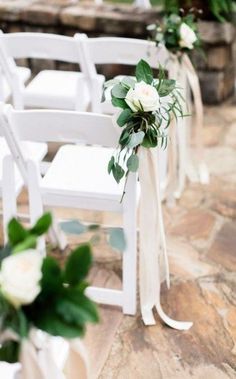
(11,181)
(77,178)
(123,51)
(115,50)
(50,88)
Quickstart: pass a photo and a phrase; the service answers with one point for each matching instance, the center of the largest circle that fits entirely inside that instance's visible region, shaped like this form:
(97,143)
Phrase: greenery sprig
(36,292)
(177,33)
(147,107)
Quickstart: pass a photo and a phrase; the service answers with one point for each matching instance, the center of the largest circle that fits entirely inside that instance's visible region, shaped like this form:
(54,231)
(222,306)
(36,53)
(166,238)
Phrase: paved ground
(202,248)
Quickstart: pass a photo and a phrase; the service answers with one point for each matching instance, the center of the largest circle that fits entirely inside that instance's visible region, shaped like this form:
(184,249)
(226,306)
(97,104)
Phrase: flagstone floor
(201,231)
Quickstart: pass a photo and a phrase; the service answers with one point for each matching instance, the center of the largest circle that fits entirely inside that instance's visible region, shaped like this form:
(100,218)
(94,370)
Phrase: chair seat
(24,74)
(36,151)
(57,90)
(82,171)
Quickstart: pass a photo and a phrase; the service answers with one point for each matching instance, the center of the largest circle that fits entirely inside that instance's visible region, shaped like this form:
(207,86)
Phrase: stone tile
(216,32)
(41,14)
(223,249)
(195,224)
(224,202)
(220,160)
(212,136)
(186,262)
(230,137)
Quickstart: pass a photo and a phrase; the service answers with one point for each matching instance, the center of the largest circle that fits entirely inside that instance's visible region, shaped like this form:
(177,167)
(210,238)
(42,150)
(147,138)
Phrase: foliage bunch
(177,33)
(147,106)
(221,10)
(60,306)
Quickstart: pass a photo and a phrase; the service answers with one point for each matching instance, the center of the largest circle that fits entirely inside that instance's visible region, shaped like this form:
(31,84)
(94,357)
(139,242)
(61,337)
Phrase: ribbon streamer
(41,359)
(190,162)
(153,261)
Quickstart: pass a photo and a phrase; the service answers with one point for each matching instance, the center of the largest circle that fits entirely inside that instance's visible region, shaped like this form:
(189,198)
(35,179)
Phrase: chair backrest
(41,46)
(34,45)
(125,51)
(54,126)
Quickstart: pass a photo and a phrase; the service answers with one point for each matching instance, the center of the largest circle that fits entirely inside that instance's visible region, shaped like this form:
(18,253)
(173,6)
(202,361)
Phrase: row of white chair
(88,137)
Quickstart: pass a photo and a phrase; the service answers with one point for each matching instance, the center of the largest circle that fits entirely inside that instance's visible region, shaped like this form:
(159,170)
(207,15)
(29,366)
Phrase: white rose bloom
(187,36)
(143,96)
(19,277)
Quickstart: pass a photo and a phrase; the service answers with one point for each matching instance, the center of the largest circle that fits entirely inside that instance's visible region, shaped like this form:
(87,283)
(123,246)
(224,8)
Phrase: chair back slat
(115,50)
(63,126)
(41,46)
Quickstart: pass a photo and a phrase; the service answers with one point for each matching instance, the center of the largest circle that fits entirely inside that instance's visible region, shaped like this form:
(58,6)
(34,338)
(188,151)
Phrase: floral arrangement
(147,106)
(177,33)
(36,293)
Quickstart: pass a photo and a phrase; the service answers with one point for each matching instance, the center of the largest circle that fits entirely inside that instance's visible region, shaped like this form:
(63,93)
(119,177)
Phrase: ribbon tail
(76,365)
(194,85)
(179,325)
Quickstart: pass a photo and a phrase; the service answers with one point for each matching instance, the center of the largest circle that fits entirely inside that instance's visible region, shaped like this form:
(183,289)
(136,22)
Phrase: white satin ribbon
(43,356)
(153,261)
(190,162)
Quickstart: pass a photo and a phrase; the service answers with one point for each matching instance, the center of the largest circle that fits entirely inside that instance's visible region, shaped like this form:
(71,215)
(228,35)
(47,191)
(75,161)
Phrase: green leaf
(124,138)
(166,87)
(76,308)
(52,281)
(110,83)
(52,323)
(29,242)
(129,81)
(144,72)
(124,117)
(132,163)
(16,232)
(150,139)
(42,225)
(117,172)
(136,139)
(111,165)
(119,103)
(78,265)
(73,227)
(9,351)
(116,239)
(119,91)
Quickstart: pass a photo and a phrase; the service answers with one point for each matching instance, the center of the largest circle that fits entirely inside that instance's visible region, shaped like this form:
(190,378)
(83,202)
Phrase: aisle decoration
(147,108)
(180,36)
(43,306)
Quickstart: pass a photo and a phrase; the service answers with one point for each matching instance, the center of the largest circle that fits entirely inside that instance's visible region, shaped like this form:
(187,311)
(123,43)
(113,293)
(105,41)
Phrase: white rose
(143,96)
(187,36)
(19,277)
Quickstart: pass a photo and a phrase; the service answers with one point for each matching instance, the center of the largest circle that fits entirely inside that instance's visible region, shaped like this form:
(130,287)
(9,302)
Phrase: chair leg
(130,253)
(35,201)
(8,194)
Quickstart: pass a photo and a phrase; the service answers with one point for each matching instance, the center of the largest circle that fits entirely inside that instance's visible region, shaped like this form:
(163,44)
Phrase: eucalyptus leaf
(119,103)
(136,139)
(117,239)
(73,227)
(118,172)
(111,164)
(119,91)
(129,81)
(124,117)
(133,163)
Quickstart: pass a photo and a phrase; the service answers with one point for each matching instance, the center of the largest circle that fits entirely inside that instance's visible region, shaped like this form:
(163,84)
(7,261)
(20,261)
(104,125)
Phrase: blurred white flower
(143,97)
(187,36)
(19,277)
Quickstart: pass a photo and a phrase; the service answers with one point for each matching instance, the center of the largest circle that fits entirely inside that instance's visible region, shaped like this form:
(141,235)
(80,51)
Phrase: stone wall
(216,68)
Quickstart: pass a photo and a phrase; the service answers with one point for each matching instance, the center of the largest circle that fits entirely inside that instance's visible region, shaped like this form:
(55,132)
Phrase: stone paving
(201,232)
(202,248)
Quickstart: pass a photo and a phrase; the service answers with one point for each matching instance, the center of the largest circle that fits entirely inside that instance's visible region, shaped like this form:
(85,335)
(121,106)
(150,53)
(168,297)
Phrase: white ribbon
(40,357)
(190,162)
(153,261)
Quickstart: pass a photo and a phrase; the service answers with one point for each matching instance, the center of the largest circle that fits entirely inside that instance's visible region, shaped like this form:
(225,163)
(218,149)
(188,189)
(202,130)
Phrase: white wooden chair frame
(40,46)
(74,127)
